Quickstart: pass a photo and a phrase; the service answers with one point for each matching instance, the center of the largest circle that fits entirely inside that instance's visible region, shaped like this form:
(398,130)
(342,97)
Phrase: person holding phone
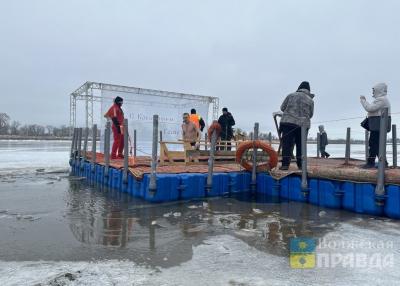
(374,109)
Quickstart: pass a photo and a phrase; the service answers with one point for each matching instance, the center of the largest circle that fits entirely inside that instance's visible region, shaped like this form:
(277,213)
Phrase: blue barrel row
(356,197)
(170,187)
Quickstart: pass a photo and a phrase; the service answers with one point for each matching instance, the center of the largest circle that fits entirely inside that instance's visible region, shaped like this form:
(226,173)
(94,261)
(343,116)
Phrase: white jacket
(380,101)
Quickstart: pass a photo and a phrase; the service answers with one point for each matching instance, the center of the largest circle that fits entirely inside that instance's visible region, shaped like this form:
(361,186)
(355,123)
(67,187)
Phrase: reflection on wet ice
(109,218)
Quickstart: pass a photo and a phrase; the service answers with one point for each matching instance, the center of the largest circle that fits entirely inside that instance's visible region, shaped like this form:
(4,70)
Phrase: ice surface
(220,260)
(29,155)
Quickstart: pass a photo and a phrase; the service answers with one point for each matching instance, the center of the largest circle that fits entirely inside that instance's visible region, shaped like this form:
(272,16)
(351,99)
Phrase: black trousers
(291,134)
(324,154)
(228,147)
(373,147)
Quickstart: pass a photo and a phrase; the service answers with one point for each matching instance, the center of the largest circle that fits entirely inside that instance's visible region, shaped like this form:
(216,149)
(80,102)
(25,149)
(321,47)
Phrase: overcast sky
(250,54)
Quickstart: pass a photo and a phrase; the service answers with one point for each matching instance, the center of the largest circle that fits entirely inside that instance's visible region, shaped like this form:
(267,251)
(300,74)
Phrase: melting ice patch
(220,260)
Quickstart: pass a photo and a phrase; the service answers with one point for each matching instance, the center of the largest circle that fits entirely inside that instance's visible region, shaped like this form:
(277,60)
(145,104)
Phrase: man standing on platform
(226,121)
(116,115)
(190,132)
(197,120)
(297,108)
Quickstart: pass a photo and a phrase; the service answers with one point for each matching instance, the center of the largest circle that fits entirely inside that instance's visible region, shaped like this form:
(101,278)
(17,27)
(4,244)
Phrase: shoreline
(49,138)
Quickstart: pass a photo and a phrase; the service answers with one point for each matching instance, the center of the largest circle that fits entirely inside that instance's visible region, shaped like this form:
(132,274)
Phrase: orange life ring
(273,155)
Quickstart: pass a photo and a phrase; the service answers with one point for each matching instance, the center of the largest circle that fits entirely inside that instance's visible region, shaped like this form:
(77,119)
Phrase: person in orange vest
(116,115)
(197,120)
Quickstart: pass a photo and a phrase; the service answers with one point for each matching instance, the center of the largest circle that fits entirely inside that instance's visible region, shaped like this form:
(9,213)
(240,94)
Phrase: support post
(347,154)
(134,143)
(211,161)
(270,138)
(205,139)
(394,145)
(94,142)
(72,154)
(366,139)
(318,145)
(380,186)
(126,152)
(107,139)
(304,184)
(254,170)
(79,144)
(85,143)
(160,135)
(275,115)
(153,175)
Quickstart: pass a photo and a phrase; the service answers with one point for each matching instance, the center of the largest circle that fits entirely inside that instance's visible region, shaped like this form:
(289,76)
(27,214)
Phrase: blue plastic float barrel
(192,186)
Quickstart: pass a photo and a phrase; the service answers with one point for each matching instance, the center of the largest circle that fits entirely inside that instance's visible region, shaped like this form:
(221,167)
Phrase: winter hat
(118,99)
(224,109)
(304,85)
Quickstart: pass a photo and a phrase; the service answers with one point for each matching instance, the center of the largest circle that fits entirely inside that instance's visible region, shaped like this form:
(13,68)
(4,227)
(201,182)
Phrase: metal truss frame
(85,93)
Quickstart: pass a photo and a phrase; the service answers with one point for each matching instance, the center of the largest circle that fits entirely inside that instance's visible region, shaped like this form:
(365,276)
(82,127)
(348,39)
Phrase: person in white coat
(374,109)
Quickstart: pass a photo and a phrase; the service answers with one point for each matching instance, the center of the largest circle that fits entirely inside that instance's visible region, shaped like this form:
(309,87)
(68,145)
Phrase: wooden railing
(193,154)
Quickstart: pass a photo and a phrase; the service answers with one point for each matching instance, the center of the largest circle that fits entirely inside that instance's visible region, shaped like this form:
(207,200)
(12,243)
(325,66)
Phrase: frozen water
(220,260)
(29,155)
(69,233)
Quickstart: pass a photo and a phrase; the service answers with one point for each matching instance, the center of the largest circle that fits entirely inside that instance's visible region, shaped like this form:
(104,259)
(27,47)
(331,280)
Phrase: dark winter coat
(323,139)
(226,122)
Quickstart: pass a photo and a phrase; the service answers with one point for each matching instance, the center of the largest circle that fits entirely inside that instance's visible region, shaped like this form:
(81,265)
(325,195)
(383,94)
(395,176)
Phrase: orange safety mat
(142,165)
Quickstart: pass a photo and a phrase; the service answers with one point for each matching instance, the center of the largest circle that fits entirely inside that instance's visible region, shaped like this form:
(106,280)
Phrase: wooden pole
(79,144)
(380,185)
(126,152)
(347,154)
(134,143)
(72,154)
(153,175)
(107,139)
(394,145)
(94,142)
(366,137)
(211,161)
(304,183)
(254,170)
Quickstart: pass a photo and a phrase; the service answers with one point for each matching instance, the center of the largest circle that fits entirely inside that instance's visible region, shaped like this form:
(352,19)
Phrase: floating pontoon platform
(331,183)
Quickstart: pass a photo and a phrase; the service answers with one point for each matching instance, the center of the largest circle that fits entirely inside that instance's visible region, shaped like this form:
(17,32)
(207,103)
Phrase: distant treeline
(15,128)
